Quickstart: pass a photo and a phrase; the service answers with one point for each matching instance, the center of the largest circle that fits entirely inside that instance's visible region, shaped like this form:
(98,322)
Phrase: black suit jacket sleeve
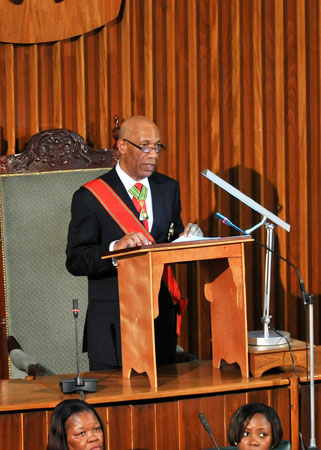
(86,244)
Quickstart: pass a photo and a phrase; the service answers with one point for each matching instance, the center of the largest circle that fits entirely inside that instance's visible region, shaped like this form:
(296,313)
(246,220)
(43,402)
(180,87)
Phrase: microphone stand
(78,384)
(308,299)
(313,445)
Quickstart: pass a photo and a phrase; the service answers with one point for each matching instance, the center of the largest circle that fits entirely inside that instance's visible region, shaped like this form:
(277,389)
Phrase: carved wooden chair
(36,291)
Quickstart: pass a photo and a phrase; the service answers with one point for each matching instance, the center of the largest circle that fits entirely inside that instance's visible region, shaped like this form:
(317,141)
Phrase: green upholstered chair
(36,189)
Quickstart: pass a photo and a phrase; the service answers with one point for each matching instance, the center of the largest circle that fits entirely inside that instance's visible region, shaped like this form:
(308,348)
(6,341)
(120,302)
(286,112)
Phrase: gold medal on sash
(143,215)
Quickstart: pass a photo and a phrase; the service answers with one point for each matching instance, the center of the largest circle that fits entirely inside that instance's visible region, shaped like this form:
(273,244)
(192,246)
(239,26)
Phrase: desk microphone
(228,222)
(208,429)
(78,384)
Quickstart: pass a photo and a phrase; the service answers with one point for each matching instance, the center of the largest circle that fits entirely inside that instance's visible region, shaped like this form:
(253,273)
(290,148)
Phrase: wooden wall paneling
(205,194)
(119,428)
(57,86)
(96,98)
(126,69)
(35,435)
(34,90)
(116,82)
(138,63)
(103,413)
(280,401)
(167,425)
(215,117)
(282,236)
(295,399)
(248,154)
(159,71)
(235,86)
(11,435)
(103,116)
(192,142)
(46,86)
(170,89)
(231,403)
(213,409)
(313,218)
(69,85)
(181,39)
(302,180)
(8,135)
(259,262)
(143,423)
(148,58)
(80,87)
(294,310)
(23,79)
(302,147)
(190,426)
(269,193)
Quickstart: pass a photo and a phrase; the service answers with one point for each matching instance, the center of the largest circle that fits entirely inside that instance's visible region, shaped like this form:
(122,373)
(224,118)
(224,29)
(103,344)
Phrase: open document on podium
(193,238)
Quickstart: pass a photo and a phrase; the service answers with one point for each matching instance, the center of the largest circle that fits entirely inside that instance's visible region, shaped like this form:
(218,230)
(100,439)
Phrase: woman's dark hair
(244,414)
(57,439)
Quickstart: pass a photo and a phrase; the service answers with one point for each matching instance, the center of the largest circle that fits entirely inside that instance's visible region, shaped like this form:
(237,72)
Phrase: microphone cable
(304,295)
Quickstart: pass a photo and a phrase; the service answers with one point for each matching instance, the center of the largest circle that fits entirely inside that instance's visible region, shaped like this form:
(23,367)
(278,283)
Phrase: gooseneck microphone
(208,429)
(228,222)
(78,384)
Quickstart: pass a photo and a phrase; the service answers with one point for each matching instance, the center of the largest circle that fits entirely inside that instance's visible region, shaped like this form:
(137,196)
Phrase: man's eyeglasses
(147,149)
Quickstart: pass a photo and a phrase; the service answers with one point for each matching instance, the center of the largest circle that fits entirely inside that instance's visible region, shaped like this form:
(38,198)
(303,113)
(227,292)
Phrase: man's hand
(131,240)
(192,229)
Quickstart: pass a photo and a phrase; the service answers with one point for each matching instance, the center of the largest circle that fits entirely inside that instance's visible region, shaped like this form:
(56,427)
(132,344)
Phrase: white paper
(193,238)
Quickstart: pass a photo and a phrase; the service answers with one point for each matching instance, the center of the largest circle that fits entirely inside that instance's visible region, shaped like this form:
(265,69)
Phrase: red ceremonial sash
(129,223)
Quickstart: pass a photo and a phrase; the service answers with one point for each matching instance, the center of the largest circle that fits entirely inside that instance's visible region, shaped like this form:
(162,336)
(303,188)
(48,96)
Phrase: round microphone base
(257,338)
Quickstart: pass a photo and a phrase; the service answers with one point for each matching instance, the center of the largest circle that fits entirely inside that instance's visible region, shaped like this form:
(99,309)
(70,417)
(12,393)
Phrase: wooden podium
(222,273)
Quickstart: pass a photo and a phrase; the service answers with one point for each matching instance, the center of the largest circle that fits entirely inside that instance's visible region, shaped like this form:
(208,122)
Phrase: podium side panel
(137,315)
(225,289)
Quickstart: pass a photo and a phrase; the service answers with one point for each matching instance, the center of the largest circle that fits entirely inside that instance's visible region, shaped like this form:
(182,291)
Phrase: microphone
(228,222)
(78,384)
(208,429)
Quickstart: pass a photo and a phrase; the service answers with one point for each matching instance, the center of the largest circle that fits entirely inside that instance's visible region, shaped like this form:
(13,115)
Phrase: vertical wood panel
(280,148)
(11,436)
(126,63)
(148,58)
(167,426)
(143,420)
(34,437)
(189,425)
(119,419)
(170,83)
(103,117)
(9,92)
(34,90)
(57,85)
(80,84)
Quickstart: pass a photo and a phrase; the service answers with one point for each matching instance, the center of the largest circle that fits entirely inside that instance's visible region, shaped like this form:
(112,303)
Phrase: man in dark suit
(93,232)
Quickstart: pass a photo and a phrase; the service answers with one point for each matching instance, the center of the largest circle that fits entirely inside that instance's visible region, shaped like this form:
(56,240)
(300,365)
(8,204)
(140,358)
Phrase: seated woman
(75,425)
(255,425)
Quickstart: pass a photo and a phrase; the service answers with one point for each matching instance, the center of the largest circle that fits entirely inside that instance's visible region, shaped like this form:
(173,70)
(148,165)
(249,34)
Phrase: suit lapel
(158,201)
